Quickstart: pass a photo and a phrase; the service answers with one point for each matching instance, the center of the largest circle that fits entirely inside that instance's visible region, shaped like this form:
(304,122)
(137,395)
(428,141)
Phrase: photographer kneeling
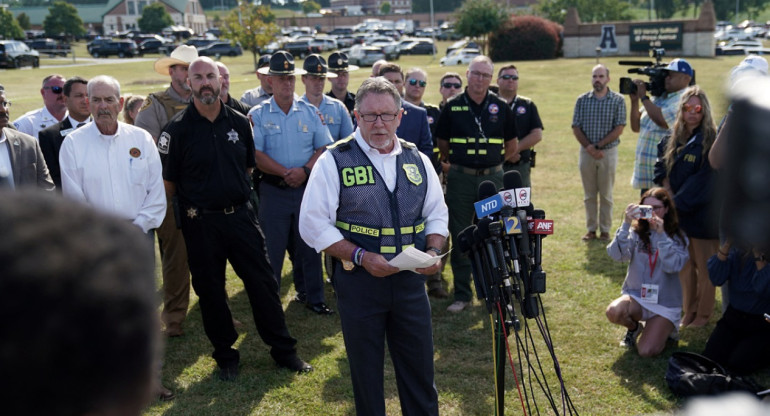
(651,241)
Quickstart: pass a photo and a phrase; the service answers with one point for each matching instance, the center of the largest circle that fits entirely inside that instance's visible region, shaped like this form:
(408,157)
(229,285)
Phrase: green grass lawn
(601,377)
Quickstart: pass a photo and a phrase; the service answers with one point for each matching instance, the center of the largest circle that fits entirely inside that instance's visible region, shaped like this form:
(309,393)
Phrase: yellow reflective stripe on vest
(388,249)
(345,226)
(495,141)
(364,230)
(458,140)
(377,232)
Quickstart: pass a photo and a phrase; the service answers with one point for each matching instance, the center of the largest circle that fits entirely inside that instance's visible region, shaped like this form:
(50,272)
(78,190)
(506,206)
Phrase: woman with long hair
(684,169)
(131,108)
(651,241)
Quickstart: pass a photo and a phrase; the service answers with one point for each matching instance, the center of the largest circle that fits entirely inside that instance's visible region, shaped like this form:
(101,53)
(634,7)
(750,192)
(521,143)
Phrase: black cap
(338,62)
(263,61)
(281,63)
(316,65)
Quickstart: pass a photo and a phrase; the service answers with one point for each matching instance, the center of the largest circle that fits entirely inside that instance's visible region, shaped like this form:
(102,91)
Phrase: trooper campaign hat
(263,61)
(338,62)
(316,65)
(281,63)
(182,55)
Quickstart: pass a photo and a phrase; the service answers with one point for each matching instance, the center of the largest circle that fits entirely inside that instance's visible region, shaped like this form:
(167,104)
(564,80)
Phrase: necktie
(80,125)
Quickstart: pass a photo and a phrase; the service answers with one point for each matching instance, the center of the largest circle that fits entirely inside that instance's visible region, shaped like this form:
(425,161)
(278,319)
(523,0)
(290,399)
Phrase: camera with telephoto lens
(656,72)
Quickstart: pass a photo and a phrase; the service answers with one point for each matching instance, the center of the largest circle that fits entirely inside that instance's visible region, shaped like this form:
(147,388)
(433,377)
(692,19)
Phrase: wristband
(359,256)
(437,250)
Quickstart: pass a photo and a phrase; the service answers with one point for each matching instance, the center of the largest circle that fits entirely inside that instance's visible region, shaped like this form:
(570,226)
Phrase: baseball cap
(754,62)
(680,65)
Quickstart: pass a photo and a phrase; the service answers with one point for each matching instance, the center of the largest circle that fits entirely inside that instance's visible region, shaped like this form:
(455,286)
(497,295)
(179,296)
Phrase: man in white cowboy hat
(158,109)
(338,64)
(289,136)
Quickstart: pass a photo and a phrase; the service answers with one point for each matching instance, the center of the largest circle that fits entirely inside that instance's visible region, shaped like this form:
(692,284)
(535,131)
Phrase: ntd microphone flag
(488,206)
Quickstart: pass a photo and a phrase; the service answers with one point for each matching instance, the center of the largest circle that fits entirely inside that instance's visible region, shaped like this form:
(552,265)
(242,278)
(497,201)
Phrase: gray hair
(377,85)
(106,80)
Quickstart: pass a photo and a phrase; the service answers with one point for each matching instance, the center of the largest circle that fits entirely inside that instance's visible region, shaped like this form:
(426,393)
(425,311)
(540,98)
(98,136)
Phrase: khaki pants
(176,273)
(598,179)
(697,290)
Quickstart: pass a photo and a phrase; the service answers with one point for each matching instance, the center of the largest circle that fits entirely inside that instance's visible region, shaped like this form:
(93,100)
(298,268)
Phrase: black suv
(49,46)
(121,48)
(221,49)
(301,48)
(15,54)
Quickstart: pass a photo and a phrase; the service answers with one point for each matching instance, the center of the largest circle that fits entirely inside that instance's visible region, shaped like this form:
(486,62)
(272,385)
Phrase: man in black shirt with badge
(208,154)
(476,132)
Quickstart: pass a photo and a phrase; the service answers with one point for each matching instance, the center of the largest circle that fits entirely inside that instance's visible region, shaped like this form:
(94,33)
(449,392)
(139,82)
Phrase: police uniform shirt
(494,114)
(527,117)
(33,121)
(153,116)
(335,115)
(208,161)
(237,105)
(433,115)
(255,96)
(318,213)
(289,139)
(349,101)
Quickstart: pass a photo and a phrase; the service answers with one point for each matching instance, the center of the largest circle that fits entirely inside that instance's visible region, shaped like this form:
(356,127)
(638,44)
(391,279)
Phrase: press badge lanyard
(653,262)
(475,117)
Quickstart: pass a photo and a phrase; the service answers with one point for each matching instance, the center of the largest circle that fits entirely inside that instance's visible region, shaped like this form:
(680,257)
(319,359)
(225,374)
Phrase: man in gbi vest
(369,197)
(158,109)
(476,132)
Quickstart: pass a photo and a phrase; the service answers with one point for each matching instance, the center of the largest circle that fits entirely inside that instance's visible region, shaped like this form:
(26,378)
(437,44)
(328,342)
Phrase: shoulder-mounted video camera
(656,72)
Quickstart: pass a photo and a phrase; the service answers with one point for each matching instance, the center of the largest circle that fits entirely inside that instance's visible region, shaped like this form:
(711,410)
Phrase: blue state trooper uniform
(395,307)
(336,117)
(289,139)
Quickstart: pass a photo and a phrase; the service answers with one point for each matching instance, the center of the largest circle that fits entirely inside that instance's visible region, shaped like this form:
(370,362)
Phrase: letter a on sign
(608,42)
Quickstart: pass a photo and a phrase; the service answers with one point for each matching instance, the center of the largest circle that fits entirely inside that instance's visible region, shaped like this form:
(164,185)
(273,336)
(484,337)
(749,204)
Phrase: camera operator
(654,121)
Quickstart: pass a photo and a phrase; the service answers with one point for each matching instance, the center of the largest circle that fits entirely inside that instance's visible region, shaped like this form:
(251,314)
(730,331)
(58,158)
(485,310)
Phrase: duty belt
(377,232)
(477,172)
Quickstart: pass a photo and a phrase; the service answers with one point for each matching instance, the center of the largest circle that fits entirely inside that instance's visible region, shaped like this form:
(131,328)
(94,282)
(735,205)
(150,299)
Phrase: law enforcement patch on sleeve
(163,142)
(412,173)
(147,102)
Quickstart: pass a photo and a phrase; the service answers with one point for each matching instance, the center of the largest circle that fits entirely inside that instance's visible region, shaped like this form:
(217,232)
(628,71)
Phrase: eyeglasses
(508,77)
(414,82)
(55,90)
(657,207)
(455,85)
(5,104)
(481,75)
(371,118)
(692,108)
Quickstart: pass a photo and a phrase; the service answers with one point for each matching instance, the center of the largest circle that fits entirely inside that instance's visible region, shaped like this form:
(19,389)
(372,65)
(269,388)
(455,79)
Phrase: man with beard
(225,94)
(51,138)
(21,161)
(597,123)
(288,137)
(53,109)
(208,153)
(157,110)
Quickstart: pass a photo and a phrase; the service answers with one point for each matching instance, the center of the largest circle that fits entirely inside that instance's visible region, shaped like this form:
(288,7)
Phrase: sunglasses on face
(5,104)
(414,82)
(692,108)
(55,90)
(508,77)
(455,85)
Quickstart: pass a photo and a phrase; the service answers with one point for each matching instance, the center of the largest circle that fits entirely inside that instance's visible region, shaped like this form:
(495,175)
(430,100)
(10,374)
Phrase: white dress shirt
(34,121)
(321,199)
(6,169)
(119,174)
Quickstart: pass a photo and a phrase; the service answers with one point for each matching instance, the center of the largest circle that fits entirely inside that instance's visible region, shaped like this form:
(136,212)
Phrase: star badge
(232,136)
(192,213)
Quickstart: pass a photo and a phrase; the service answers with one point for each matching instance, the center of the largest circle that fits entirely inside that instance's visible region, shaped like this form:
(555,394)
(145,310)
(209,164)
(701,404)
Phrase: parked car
(388,45)
(462,44)
(740,47)
(121,48)
(198,42)
(365,55)
(419,48)
(460,57)
(97,41)
(221,49)
(326,43)
(155,46)
(301,48)
(15,54)
(49,46)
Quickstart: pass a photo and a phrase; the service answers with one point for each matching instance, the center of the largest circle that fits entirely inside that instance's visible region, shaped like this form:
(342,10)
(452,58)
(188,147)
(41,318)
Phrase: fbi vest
(469,145)
(371,216)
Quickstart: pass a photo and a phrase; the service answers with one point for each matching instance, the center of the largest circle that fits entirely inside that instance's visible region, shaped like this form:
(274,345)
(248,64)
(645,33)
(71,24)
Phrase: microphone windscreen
(482,228)
(512,180)
(538,214)
(486,189)
(465,239)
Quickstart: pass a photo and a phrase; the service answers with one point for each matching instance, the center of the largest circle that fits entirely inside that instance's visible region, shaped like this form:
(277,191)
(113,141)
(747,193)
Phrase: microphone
(489,201)
(467,244)
(512,227)
(514,186)
(540,227)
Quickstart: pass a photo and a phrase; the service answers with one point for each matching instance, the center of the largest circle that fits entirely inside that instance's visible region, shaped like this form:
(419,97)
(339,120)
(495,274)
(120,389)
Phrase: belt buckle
(481,172)
(229,210)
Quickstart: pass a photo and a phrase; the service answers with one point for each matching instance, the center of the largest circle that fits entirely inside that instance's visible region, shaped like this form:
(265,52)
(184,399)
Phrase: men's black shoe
(295,363)
(320,308)
(300,298)
(229,373)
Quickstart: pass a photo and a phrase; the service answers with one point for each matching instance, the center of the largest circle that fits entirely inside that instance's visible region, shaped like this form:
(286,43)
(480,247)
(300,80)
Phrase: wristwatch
(437,250)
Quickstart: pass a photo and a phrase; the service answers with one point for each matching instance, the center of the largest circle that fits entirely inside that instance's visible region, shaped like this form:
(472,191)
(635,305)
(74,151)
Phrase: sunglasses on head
(455,85)
(692,108)
(55,90)
(509,77)
(414,82)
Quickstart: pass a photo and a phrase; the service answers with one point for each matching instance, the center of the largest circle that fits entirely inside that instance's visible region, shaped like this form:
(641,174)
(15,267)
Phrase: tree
(589,10)
(477,19)
(154,18)
(253,26)
(385,7)
(23,20)
(63,19)
(310,7)
(9,27)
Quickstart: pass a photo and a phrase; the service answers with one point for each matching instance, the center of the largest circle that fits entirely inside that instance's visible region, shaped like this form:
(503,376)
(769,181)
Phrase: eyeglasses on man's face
(371,118)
